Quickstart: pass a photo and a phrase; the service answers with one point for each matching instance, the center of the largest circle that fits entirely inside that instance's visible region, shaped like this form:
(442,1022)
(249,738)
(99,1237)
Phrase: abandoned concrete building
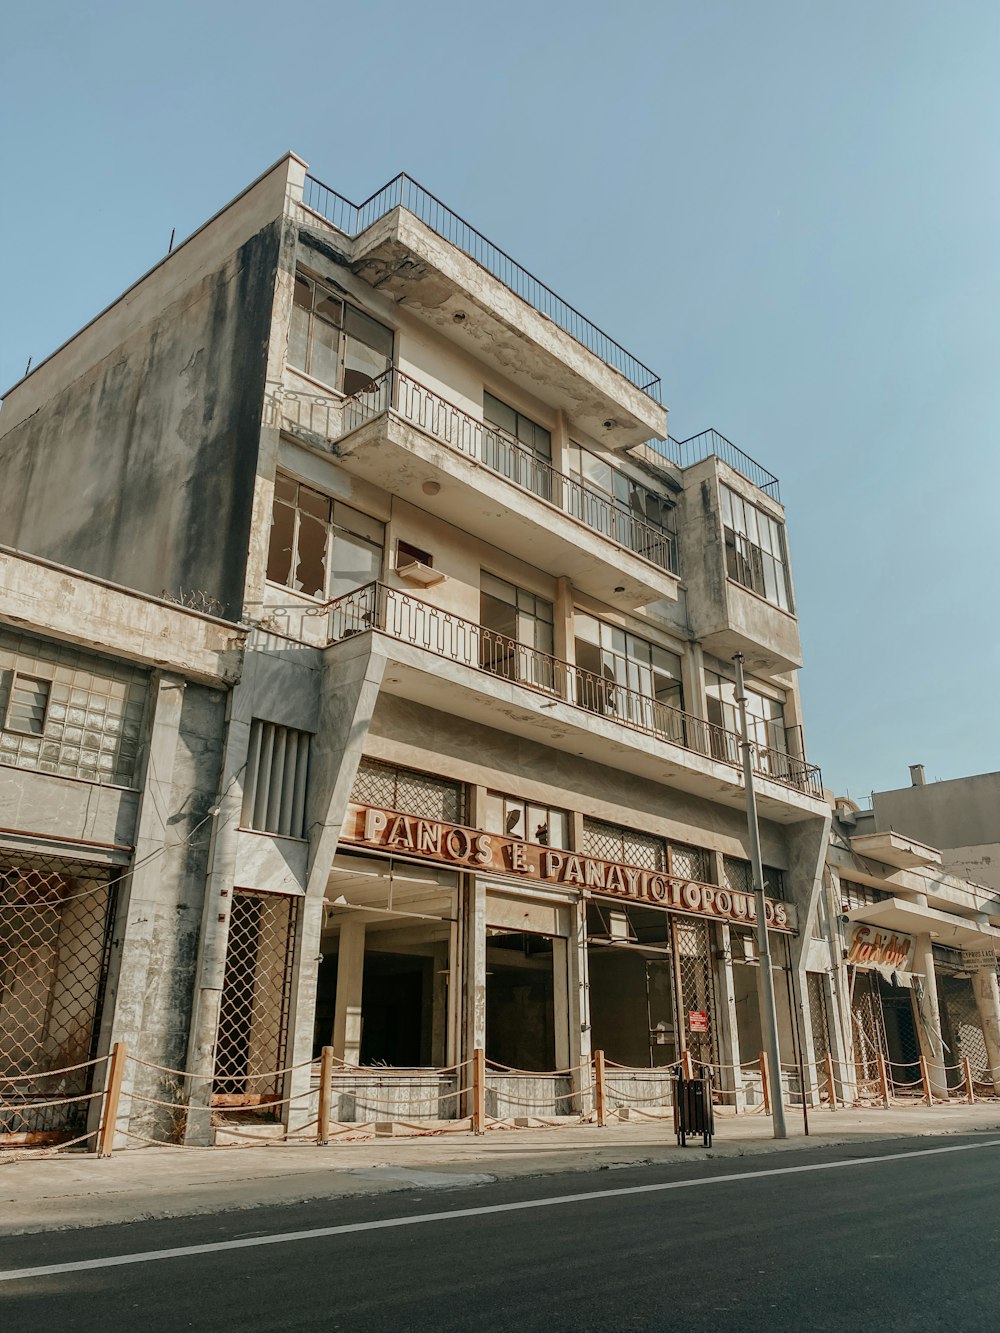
(366,681)
(919,949)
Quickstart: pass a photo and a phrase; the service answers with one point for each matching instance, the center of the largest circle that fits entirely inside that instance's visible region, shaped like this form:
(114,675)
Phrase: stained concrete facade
(387,601)
(918,976)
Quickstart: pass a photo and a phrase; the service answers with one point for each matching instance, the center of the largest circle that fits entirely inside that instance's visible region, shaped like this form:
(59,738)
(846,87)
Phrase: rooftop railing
(414,403)
(404,192)
(710,443)
(407,619)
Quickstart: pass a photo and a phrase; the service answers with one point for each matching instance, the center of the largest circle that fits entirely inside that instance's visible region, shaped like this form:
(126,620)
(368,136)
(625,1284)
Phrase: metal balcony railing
(710,443)
(410,620)
(404,192)
(419,406)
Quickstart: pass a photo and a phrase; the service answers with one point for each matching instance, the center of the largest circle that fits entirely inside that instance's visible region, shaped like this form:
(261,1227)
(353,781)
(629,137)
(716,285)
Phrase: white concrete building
(410,533)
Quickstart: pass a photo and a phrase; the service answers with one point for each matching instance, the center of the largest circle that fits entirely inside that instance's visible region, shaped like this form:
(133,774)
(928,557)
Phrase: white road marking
(318,1233)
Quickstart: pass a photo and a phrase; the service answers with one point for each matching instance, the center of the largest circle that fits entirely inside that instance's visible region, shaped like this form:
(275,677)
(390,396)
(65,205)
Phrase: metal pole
(765,978)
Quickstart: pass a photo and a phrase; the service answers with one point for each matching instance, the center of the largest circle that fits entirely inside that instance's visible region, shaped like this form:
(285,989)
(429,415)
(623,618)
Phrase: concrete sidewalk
(79,1190)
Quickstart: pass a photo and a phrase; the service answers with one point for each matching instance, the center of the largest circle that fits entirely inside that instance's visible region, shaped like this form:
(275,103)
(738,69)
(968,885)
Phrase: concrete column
(350,980)
(580,1051)
(929,1026)
(141,912)
(693,681)
(564,646)
(987,993)
(474,914)
(560,444)
(728,1038)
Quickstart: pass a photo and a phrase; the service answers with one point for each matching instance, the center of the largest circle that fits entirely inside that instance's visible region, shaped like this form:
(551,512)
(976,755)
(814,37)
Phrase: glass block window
(689,862)
(69,712)
(409,791)
(612,842)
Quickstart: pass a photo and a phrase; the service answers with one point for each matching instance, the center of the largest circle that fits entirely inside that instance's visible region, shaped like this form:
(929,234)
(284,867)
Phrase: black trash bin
(693,1112)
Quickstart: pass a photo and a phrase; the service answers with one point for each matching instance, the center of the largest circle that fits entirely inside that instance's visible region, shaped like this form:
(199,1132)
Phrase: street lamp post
(765,978)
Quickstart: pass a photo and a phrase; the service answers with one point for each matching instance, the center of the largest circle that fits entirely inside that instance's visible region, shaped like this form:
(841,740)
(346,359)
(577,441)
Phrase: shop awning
(916,919)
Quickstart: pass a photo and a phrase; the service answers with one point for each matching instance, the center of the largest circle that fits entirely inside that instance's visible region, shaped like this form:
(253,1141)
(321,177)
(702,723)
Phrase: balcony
(408,243)
(560,704)
(392,432)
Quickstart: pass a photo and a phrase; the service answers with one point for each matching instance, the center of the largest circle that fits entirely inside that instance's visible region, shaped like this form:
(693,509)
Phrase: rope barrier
(537,1073)
(46,1104)
(55,1073)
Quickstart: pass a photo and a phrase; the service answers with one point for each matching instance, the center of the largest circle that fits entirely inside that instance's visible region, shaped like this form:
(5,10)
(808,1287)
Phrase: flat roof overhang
(915,919)
(403,258)
(893,849)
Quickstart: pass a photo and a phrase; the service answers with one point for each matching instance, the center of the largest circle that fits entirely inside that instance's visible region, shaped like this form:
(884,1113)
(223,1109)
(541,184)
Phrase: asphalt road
(884,1243)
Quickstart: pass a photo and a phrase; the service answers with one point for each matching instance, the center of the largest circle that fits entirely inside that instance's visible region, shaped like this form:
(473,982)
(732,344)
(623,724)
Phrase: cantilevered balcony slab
(405,259)
(432,656)
(391,453)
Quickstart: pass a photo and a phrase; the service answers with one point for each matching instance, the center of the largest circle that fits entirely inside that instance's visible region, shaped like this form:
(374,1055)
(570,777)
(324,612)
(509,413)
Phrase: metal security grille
(409,791)
(689,862)
(819,1019)
(737,875)
(256,989)
(693,947)
(611,842)
(869,1030)
(961,1026)
(56,920)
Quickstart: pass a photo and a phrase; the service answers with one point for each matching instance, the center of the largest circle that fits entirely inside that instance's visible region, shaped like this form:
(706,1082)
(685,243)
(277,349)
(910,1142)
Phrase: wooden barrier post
(969,1089)
(765,1082)
(830,1083)
(925,1076)
(883,1078)
(600,1087)
(687,1063)
(478,1091)
(112,1096)
(325,1095)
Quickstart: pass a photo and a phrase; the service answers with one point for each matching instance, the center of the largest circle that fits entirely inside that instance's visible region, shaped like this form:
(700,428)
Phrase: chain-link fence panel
(56,919)
(869,1030)
(961,1027)
(256,995)
(693,950)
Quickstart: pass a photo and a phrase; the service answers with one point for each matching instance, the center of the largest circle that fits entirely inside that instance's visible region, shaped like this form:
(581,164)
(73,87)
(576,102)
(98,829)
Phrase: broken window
(755,549)
(517,818)
(319,546)
(334,341)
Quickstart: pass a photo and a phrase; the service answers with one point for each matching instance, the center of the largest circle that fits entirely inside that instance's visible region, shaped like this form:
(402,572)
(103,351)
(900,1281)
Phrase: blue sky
(789,209)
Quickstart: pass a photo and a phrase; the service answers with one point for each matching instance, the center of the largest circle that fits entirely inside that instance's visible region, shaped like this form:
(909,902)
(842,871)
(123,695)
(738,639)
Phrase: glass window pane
(586,628)
(355,563)
(303,293)
(298,338)
(329,309)
(285,488)
(324,352)
(558,828)
(362,364)
(498,588)
(360,524)
(279,554)
(315,503)
(310,570)
(363,329)
(499,414)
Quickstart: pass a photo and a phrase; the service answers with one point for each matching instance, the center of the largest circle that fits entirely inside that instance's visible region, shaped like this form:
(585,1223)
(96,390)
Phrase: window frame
(326,291)
(332,527)
(17,675)
(752,562)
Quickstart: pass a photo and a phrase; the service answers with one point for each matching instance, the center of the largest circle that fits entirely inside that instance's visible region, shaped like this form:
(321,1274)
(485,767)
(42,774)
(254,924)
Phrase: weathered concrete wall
(141,470)
(961,817)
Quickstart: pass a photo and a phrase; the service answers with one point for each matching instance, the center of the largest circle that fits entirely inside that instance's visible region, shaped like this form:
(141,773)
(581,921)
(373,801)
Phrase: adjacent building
(366,681)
